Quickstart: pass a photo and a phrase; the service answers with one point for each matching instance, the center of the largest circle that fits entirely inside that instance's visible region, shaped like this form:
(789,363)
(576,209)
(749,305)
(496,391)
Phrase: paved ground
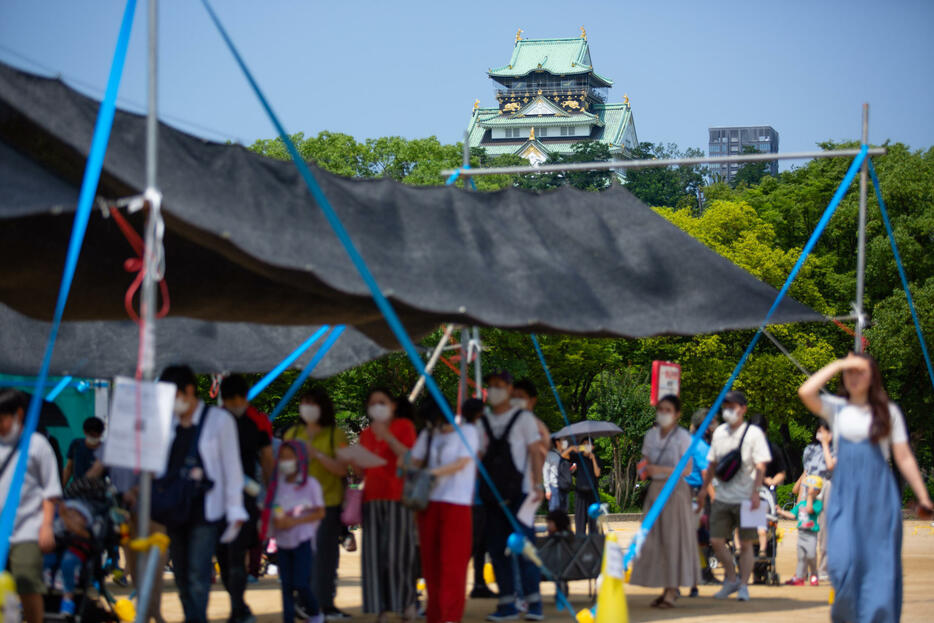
(768,605)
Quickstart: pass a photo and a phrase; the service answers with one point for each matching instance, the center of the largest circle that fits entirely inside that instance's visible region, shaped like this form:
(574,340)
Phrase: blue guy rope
(901,271)
(315,360)
(675,476)
(58,389)
(273,374)
(92,174)
(392,319)
(456,174)
(564,414)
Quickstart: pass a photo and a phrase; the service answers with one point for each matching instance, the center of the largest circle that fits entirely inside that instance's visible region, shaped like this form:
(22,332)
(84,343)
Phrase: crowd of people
(231,485)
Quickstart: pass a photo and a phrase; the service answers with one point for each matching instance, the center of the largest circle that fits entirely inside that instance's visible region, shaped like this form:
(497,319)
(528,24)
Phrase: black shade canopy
(104,349)
(245,243)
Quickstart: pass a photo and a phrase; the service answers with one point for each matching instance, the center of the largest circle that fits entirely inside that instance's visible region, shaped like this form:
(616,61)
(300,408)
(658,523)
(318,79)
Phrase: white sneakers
(741,590)
(728,588)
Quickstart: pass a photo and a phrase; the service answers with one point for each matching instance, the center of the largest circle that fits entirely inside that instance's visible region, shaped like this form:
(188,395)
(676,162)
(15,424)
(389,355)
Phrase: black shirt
(252,441)
(184,437)
(584,475)
(777,464)
(82,457)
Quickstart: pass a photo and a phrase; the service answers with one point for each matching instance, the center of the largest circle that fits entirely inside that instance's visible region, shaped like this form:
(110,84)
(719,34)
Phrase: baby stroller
(764,570)
(103,519)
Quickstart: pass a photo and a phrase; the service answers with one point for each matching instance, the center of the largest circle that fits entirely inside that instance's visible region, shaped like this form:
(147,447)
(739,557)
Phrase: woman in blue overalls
(864,520)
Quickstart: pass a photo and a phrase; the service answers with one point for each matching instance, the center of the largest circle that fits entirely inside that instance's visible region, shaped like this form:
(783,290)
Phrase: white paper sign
(139,425)
(614,560)
(749,518)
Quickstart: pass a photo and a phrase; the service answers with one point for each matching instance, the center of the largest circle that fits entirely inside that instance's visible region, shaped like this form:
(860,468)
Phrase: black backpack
(565,481)
(500,466)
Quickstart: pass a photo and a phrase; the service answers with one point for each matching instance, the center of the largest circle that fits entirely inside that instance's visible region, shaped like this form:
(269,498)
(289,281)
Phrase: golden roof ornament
(518,35)
(626,99)
(583,33)
(476,104)
(532,133)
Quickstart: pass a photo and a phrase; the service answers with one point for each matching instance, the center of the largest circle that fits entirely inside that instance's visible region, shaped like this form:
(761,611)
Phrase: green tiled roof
(616,118)
(556,56)
(502,121)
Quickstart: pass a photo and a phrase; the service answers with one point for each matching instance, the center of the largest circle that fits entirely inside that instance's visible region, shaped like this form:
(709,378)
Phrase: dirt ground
(768,605)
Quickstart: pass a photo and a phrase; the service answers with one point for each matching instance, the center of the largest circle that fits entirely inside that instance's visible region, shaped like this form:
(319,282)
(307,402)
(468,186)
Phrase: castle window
(541,132)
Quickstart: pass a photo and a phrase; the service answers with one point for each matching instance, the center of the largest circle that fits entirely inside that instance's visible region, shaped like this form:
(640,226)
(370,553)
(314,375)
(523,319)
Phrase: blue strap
(392,319)
(58,389)
(92,174)
(675,476)
(273,374)
(554,390)
(901,271)
(297,383)
(454,176)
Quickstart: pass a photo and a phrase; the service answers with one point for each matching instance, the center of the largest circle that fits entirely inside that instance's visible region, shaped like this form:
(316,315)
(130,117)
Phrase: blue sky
(415,68)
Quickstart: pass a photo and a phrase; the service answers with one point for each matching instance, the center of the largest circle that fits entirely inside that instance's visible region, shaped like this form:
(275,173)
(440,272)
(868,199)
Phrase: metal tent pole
(146,572)
(861,240)
(462,387)
(644,164)
(432,362)
(477,365)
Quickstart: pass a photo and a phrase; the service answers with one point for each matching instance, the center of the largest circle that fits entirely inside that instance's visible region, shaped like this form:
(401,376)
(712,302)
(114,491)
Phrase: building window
(541,132)
(514,132)
(567,130)
(715,149)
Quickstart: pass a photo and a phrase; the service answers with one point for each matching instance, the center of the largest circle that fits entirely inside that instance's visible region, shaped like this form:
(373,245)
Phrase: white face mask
(664,419)
(563,444)
(497,395)
(93,441)
(181,405)
(11,436)
(730,416)
(287,468)
(587,447)
(519,403)
(238,411)
(309,413)
(379,412)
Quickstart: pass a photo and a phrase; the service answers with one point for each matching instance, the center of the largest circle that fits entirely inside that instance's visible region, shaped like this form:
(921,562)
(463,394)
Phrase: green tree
(751,173)
(675,187)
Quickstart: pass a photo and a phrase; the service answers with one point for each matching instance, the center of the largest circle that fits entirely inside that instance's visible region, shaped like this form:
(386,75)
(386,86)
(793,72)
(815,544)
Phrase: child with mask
(806,511)
(84,454)
(294,507)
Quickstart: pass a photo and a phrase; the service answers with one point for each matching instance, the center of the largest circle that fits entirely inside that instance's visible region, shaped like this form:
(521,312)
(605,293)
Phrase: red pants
(446,538)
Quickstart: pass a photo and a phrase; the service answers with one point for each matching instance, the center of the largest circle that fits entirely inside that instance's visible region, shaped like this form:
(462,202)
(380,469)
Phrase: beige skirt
(669,556)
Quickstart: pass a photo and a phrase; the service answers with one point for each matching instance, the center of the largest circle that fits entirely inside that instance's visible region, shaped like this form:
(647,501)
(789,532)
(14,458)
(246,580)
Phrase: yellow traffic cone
(488,576)
(611,597)
(585,616)
(125,610)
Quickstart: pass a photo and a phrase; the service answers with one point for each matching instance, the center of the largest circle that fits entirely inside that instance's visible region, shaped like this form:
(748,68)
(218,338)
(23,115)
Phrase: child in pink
(294,508)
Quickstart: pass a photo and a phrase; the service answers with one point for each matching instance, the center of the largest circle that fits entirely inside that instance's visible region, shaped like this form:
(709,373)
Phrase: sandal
(665,605)
(657,602)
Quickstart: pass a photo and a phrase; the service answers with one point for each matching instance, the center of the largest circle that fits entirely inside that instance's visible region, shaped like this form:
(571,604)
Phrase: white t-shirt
(446,448)
(755,450)
(41,482)
(853,422)
(524,433)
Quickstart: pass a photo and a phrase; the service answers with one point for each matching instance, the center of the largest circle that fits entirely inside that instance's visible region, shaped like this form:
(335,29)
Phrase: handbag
(730,465)
(175,493)
(352,512)
(418,483)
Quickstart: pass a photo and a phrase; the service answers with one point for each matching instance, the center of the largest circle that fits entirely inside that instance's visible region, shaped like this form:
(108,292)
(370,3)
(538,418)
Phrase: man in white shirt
(220,506)
(729,496)
(32,528)
(511,441)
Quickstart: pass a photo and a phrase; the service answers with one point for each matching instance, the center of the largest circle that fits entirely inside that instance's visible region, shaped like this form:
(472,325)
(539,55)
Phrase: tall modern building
(548,98)
(730,142)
